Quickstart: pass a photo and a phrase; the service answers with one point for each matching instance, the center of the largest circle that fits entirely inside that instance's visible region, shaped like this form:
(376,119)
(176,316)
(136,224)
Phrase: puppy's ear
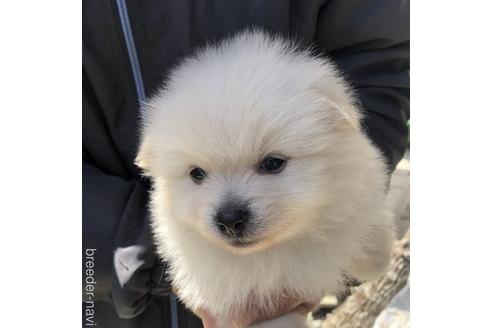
(145,151)
(343,106)
(347,115)
(144,155)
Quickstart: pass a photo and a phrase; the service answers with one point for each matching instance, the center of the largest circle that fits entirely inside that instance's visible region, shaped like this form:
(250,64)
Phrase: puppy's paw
(289,320)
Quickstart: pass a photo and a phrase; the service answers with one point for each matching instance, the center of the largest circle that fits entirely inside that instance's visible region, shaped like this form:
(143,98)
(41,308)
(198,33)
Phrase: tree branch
(367,301)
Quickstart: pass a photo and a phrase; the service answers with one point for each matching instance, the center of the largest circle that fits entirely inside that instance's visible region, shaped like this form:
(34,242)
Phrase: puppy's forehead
(240,104)
(237,129)
(260,122)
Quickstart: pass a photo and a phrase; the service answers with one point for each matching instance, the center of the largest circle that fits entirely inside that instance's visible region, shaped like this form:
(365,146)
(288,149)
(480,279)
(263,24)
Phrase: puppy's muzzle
(232,219)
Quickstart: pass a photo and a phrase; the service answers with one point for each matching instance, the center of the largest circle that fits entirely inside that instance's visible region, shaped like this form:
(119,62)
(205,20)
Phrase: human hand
(256,315)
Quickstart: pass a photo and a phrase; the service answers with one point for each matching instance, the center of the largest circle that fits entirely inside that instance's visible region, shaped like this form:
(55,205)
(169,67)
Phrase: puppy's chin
(238,246)
(257,239)
(243,248)
(247,246)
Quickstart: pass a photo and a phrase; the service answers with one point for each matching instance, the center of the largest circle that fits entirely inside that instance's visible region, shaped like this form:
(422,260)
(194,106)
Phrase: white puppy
(264,184)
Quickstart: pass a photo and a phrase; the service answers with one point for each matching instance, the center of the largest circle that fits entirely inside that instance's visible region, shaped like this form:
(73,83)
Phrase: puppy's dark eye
(198,174)
(272,164)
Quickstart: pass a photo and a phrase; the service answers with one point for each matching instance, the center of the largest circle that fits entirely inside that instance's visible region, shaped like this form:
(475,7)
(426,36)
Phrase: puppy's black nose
(232,219)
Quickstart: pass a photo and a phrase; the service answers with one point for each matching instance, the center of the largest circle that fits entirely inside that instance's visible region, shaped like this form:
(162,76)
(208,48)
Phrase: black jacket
(368,39)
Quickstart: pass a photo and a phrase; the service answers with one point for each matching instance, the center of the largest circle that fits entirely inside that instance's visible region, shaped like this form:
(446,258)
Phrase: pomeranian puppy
(264,184)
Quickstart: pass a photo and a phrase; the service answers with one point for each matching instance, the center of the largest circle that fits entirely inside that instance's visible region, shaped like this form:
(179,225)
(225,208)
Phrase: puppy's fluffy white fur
(324,215)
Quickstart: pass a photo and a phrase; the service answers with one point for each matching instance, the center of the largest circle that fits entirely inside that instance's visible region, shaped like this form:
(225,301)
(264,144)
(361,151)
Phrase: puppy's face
(246,162)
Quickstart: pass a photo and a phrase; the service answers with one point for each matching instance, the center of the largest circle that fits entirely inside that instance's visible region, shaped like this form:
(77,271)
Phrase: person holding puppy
(130,46)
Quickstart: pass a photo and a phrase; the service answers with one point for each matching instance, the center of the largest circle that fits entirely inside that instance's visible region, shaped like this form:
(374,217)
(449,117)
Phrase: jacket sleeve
(116,227)
(370,42)
(117,233)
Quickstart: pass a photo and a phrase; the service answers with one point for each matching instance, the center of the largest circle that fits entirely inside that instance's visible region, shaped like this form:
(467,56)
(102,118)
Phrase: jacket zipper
(139,86)
(131,49)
